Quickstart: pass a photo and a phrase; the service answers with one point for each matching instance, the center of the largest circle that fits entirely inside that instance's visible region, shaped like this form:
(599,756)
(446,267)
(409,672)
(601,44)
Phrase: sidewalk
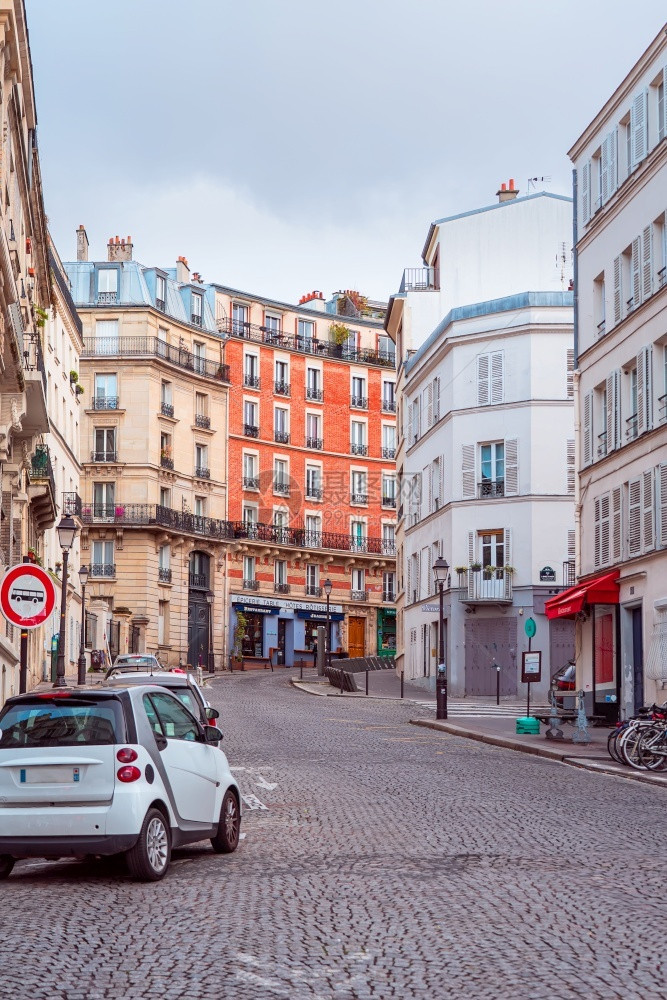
(499,730)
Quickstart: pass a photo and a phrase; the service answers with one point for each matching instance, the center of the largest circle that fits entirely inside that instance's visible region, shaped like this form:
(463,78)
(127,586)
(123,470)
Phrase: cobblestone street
(379,860)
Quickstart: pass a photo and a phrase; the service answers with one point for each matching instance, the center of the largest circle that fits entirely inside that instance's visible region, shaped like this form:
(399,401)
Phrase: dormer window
(107,286)
(196,309)
(160,292)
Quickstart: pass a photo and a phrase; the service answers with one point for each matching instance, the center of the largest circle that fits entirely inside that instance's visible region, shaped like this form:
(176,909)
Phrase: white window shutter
(497,377)
(436,400)
(570,373)
(482,379)
(648,512)
(511,467)
(588,428)
(409,581)
(586,191)
(429,501)
(648,385)
(427,407)
(618,289)
(662,493)
(571,543)
(414,421)
(472,557)
(468,471)
(612,165)
(507,538)
(604,529)
(662,107)
(634,517)
(636,272)
(639,127)
(647,262)
(613,411)
(616,524)
(570,466)
(596,507)
(641,405)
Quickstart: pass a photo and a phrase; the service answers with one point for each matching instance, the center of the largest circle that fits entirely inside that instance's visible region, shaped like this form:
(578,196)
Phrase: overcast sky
(290,145)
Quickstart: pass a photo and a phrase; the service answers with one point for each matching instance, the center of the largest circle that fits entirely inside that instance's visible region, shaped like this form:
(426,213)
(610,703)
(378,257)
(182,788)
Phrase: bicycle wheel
(628,743)
(612,743)
(652,749)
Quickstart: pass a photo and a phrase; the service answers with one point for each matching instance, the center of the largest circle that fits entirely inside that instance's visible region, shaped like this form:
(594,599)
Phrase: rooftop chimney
(118,249)
(507,191)
(81,243)
(182,271)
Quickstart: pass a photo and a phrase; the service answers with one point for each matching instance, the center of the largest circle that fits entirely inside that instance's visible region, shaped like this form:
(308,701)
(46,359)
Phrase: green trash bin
(527,726)
(54,656)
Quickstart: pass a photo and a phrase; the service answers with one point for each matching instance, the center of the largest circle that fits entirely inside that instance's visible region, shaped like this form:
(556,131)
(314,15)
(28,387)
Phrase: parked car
(565,679)
(135,661)
(179,683)
(108,771)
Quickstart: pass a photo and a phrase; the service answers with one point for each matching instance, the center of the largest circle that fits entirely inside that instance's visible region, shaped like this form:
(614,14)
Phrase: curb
(551,753)
(335,693)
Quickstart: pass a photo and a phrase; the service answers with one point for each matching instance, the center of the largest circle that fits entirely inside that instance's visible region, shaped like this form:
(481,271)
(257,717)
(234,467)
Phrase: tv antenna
(534,181)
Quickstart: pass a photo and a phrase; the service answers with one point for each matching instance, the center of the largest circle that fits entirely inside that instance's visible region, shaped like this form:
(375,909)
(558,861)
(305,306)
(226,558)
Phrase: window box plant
(73,377)
(475,567)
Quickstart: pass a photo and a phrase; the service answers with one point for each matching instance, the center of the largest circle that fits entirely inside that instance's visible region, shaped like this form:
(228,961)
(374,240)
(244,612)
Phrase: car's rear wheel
(6,865)
(149,859)
(226,839)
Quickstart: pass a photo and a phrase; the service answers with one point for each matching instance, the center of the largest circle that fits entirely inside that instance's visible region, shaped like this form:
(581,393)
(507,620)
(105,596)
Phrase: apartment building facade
(153,497)
(486,445)
(620,601)
(312,441)
(28,497)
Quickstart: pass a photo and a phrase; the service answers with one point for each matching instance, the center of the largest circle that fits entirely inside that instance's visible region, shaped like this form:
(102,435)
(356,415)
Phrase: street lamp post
(211,662)
(440,574)
(83,577)
(327,639)
(66,532)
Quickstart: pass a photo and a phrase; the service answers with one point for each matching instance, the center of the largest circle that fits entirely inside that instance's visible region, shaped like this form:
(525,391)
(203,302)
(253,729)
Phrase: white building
(486,447)
(621,600)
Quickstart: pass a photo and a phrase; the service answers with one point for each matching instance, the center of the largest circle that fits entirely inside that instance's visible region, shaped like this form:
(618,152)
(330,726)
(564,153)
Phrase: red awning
(599,590)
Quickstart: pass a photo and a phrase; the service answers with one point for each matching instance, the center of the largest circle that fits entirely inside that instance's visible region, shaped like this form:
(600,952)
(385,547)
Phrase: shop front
(282,629)
(594,606)
(386,632)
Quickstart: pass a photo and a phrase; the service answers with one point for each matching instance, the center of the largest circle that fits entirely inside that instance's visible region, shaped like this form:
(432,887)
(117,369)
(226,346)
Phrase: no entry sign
(27,595)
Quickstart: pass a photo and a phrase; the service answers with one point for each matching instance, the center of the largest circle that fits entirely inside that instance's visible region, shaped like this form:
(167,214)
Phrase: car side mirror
(212,713)
(212,734)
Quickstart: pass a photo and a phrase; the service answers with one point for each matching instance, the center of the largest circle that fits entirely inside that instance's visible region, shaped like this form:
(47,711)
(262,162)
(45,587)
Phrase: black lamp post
(327,639)
(66,531)
(211,662)
(83,577)
(440,574)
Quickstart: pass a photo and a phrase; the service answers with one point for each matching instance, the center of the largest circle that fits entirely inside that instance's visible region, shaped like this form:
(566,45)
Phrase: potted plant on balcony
(508,569)
(73,377)
(460,570)
(42,316)
(475,566)
(78,389)
(339,333)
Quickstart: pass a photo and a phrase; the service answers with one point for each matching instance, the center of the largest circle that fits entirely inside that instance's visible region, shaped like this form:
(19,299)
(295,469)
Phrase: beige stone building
(153,491)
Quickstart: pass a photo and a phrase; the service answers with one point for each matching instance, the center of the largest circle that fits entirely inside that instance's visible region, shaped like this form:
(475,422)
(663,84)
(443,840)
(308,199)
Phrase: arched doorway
(199,610)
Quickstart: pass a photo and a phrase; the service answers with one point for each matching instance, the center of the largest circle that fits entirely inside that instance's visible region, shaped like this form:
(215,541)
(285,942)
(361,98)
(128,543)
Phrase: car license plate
(57,774)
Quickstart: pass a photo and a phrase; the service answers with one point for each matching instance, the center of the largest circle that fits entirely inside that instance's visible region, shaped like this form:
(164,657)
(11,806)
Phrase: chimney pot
(119,250)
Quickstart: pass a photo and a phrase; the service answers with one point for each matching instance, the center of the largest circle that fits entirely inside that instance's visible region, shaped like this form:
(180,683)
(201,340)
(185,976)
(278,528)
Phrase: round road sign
(530,628)
(27,595)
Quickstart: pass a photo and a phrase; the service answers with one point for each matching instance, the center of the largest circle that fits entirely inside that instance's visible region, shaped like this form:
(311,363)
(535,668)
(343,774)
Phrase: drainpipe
(575,268)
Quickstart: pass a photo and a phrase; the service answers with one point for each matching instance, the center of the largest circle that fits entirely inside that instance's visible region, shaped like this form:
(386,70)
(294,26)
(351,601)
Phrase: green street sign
(530,627)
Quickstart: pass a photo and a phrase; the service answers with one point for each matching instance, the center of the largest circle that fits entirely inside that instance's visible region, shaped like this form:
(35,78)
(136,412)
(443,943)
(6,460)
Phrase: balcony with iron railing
(388,501)
(251,482)
(602,328)
(305,345)
(201,420)
(388,596)
(166,461)
(314,493)
(662,408)
(314,395)
(195,319)
(419,279)
(42,489)
(662,277)
(281,388)
(281,487)
(251,430)
(315,443)
(160,304)
(105,403)
(359,402)
(389,453)
(33,358)
(359,498)
(198,581)
(358,595)
(281,437)
(485,586)
(356,448)
(312,590)
(491,488)
(102,570)
(281,588)
(202,472)
(102,456)
(602,444)
(72,504)
(251,584)
(569,576)
(153,347)
(167,409)
(631,427)
(388,405)
(164,574)
(251,381)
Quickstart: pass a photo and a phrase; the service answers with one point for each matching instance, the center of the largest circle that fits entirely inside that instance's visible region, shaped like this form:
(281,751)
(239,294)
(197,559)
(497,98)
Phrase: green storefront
(386,631)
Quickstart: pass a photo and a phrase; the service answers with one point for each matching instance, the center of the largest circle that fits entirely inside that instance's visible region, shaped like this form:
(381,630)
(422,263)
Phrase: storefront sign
(531,667)
(547,575)
(430,608)
(271,602)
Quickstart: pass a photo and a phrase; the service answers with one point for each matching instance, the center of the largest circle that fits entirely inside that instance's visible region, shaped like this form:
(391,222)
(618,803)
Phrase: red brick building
(312,494)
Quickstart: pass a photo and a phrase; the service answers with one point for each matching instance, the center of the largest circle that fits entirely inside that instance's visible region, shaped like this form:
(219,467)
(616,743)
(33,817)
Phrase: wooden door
(356,628)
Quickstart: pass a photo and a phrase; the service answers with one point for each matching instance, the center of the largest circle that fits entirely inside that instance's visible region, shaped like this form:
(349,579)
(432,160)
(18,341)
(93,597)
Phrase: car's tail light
(48,695)
(128,773)
(126,755)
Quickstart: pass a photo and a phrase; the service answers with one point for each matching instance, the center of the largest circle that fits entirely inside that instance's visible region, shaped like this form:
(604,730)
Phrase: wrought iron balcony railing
(282,437)
(491,488)
(201,420)
(358,449)
(358,595)
(313,394)
(198,581)
(313,591)
(251,482)
(167,409)
(316,443)
(33,358)
(137,347)
(251,381)
(251,430)
(360,402)
(569,576)
(305,345)
(388,596)
(419,279)
(105,403)
(314,493)
(389,405)
(102,569)
(359,498)
(166,462)
(164,574)
(160,304)
(202,472)
(281,486)
(281,388)
(72,504)
(389,453)
(388,501)
(103,456)
(485,586)
(41,469)
(281,588)
(251,584)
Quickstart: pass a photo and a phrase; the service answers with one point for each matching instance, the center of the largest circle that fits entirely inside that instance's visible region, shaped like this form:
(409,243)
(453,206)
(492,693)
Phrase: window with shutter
(588,428)
(616,524)
(609,165)
(647,262)
(569,366)
(662,502)
(596,509)
(648,512)
(472,558)
(427,406)
(468,471)
(415,420)
(634,517)
(497,377)
(618,289)
(639,127)
(482,379)
(586,191)
(662,106)
(604,529)
(613,394)
(645,362)
(436,400)
(571,550)
(508,546)
(511,467)
(570,466)
(635,265)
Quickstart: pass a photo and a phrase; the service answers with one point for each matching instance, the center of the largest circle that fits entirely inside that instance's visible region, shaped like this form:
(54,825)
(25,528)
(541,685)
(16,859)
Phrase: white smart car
(111,771)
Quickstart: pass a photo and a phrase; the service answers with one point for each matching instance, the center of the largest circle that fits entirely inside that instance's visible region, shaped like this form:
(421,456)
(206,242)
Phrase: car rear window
(61,723)
(189,700)
(135,661)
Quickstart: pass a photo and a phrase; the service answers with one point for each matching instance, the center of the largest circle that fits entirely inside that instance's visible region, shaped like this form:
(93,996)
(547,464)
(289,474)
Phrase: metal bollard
(366,682)
(301,669)
(401,683)
(341,680)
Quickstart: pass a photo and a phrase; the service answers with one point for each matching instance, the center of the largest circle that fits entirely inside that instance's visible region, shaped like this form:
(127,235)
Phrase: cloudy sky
(287,145)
